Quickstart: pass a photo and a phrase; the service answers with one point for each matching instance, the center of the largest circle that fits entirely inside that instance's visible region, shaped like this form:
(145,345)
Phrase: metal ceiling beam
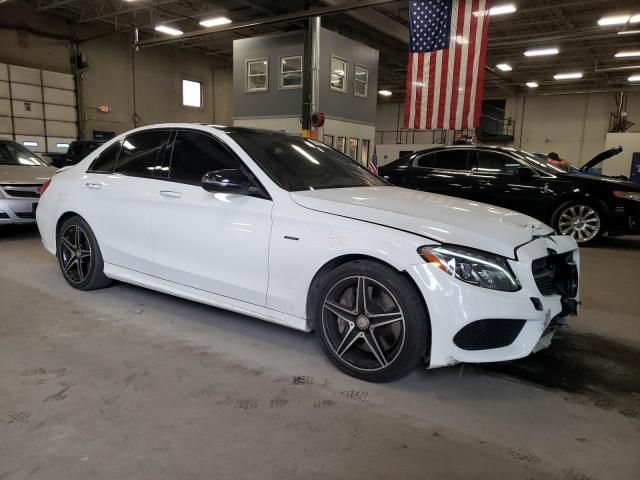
(57,4)
(139,6)
(287,17)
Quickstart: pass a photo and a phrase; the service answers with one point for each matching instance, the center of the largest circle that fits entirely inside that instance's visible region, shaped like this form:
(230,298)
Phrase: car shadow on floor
(19,231)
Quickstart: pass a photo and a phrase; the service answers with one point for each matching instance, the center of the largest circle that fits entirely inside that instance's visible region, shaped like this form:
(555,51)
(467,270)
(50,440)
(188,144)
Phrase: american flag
(373,163)
(445,68)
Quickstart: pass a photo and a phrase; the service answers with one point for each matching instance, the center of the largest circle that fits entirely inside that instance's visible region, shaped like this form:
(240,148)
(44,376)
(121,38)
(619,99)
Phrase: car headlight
(635,196)
(472,266)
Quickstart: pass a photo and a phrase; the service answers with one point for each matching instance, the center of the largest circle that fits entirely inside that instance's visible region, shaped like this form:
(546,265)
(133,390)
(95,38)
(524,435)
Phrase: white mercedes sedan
(291,231)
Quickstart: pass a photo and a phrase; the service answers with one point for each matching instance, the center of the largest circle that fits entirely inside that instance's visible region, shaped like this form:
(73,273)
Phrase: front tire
(371,321)
(79,256)
(580,219)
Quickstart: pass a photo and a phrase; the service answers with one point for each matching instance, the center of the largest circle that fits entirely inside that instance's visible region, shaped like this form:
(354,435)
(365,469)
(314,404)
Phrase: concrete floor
(127,383)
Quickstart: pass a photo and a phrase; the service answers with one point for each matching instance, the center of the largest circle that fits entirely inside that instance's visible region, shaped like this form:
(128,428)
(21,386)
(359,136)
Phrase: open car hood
(601,157)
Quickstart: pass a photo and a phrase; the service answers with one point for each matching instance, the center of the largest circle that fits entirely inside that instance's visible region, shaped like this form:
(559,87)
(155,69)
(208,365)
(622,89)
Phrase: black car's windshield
(12,153)
(297,163)
(537,163)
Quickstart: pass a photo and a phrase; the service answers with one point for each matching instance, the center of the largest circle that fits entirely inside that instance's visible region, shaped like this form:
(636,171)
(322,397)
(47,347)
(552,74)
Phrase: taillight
(44,186)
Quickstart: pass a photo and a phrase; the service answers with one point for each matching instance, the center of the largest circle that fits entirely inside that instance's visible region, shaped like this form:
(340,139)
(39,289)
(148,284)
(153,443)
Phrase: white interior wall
(575,126)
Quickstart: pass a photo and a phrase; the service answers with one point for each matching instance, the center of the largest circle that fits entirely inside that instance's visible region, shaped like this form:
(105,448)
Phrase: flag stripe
(481,63)
(460,46)
(432,73)
(418,88)
(470,74)
(451,63)
(464,58)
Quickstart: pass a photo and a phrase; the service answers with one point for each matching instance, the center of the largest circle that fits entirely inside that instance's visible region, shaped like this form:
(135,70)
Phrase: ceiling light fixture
(635,18)
(505,67)
(385,93)
(634,78)
(214,22)
(567,76)
(629,32)
(169,30)
(536,52)
(532,84)
(502,9)
(628,53)
(613,20)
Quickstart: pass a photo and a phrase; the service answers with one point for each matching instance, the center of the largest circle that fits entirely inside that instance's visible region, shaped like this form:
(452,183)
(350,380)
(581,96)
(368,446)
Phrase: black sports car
(585,206)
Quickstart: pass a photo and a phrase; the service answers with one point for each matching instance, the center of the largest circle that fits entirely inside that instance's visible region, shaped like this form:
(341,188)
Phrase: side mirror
(523,174)
(230,180)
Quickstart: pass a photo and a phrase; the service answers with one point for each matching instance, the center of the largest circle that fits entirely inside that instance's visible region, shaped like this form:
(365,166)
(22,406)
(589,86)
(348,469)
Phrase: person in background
(554,159)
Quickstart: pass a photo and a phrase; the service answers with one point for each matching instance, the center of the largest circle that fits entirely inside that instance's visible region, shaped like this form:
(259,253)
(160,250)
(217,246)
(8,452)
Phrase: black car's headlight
(472,266)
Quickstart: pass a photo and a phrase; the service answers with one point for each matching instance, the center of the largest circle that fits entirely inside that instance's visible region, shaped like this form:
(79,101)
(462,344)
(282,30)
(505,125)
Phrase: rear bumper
(14,211)
(465,319)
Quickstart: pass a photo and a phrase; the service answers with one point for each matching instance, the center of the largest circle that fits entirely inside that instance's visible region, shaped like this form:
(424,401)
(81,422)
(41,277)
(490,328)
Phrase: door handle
(170,194)
(93,186)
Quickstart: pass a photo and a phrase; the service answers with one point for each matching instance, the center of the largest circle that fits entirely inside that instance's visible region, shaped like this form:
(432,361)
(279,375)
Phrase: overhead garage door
(37,108)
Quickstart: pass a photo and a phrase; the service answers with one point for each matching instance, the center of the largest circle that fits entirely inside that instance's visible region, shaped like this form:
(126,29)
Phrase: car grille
(21,191)
(556,275)
(488,333)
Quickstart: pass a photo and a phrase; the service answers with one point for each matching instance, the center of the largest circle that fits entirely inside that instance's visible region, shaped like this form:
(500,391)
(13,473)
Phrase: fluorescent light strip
(629,32)
(567,76)
(30,144)
(502,9)
(214,22)
(385,93)
(62,145)
(169,30)
(532,84)
(613,20)
(505,67)
(628,53)
(635,18)
(536,52)
(634,78)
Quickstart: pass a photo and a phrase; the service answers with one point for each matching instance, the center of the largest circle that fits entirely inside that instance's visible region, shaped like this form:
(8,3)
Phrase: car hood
(438,217)
(601,157)
(25,174)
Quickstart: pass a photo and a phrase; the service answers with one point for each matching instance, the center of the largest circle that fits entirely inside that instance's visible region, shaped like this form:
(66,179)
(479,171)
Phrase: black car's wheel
(580,219)
(371,321)
(79,256)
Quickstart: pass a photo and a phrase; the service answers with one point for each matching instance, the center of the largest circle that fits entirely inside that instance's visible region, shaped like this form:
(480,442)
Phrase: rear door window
(450,159)
(140,153)
(106,161)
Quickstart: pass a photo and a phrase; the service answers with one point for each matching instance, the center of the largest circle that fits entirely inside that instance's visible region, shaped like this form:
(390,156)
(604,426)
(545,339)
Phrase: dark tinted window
(195,154)
(296,163)
(450,159)
(139,153)
(106,160)
(12,153)
(493,162)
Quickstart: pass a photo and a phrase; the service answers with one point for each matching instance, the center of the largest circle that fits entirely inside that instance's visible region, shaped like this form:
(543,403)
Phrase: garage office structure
(182,379)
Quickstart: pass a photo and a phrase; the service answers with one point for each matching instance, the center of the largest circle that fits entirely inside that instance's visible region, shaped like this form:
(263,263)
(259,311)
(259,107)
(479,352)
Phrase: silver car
(22,173)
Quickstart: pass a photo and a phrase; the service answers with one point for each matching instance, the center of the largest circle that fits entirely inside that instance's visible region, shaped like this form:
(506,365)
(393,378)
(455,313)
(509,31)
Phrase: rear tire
(581,219)
(79,256)
(379,336)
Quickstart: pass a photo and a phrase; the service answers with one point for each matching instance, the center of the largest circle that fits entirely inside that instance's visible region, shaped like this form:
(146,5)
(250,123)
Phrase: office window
(328,139)
(338,74)
(361,82)
(364,151)
(258,75)
(191,93)
(353,148)
(291,72)
(341,144)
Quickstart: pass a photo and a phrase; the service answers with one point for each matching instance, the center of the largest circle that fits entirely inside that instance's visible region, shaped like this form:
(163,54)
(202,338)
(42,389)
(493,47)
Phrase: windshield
(297,163)
(12,153)
(537,163)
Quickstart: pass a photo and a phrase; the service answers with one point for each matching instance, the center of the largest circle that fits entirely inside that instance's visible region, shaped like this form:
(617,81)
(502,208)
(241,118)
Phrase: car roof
(220,128)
